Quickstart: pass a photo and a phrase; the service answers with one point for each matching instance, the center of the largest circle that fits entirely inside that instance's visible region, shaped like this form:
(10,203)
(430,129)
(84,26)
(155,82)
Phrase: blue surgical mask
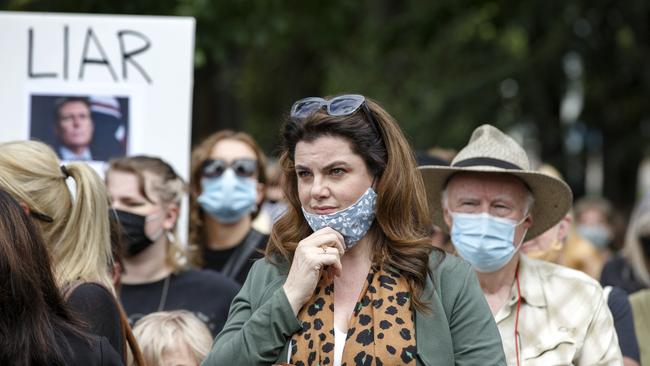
(483,240)
(228,198)
(597,234)
(352,222)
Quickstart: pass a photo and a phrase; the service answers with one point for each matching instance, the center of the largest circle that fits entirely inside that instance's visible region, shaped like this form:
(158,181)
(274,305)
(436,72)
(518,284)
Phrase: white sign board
(96,87)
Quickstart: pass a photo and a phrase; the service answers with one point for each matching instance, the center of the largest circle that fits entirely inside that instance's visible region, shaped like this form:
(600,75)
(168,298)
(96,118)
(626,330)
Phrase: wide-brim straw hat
(491,151)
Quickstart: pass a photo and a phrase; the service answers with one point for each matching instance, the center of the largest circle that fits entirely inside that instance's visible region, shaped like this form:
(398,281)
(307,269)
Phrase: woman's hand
(320,249)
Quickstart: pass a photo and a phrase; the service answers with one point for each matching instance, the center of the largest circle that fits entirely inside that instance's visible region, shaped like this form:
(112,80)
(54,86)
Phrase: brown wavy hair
(199,155)
(399,234)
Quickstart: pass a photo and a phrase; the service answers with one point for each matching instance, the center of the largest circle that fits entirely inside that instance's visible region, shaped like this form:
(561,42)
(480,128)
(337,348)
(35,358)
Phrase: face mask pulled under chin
(134,238)
(352,222)
(483,240)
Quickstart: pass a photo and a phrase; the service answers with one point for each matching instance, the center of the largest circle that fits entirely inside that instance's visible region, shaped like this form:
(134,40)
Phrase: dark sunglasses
(342,105)
(244,168)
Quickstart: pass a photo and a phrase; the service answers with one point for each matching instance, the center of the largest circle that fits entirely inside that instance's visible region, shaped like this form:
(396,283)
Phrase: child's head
(173,338)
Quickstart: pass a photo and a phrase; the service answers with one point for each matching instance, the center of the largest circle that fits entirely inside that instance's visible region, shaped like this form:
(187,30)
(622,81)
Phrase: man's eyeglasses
(244,168)
(342,105)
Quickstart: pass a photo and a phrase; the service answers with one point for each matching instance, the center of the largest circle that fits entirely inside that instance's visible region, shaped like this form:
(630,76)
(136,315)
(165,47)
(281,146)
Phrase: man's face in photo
(75,127)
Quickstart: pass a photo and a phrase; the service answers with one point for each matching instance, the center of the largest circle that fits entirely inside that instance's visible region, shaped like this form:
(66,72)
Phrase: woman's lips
(323,210)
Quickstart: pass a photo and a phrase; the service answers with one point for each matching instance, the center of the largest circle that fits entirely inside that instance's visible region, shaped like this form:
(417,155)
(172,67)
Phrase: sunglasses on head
(214,168)
(342,105)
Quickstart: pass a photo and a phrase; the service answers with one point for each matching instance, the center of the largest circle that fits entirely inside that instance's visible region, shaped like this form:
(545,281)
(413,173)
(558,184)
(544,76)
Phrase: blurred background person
(146,195)
(173,338)
(597,222)
(442,157)
(74,128)
(562,244)
(227,182)
(275,204)
(36,326)
(551,246)
(630,269)
(70,204)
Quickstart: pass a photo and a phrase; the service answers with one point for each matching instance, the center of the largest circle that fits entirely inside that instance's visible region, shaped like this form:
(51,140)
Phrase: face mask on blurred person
(550,255)
(352,222)
(483,240)
(645,245)
(597,234)
(134,238)
(229,197)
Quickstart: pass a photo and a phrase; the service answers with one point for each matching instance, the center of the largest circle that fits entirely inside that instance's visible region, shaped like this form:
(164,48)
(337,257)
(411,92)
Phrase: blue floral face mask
(229,197)
(352,222)
(483,240)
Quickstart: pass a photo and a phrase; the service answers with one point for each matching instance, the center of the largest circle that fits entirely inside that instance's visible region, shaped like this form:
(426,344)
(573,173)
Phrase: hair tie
(66,173)
(70,183)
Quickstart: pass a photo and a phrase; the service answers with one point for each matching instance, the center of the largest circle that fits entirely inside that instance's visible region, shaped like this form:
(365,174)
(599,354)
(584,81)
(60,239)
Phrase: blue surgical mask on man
(228,198)
(485,241)
(352,222)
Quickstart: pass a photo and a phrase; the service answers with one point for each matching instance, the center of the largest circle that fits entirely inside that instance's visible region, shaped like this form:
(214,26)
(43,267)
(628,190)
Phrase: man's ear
(563,227)
(447,216)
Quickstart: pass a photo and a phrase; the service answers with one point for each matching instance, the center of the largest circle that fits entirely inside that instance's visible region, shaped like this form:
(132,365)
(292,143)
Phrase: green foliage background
(436,66)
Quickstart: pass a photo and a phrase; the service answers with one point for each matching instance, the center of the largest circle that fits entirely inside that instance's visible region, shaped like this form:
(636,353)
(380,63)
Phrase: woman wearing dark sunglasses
(226,186)
(349,275)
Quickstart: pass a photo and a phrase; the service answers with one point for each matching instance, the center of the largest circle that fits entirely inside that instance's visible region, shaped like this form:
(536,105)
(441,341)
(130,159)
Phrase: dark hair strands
(33,315)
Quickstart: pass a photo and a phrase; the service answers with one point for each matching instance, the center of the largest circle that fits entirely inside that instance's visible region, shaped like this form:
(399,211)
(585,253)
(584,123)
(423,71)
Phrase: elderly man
(74,128)
(490,202)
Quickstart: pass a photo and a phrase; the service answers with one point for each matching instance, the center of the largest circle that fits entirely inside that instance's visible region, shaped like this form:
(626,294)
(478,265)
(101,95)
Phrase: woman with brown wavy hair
(349,275)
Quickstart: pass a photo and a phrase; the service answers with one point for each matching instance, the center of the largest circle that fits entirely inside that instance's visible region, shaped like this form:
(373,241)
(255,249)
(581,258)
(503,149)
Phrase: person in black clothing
(631,269)
(146,194)
(36,326)
(71,207)
(227,186)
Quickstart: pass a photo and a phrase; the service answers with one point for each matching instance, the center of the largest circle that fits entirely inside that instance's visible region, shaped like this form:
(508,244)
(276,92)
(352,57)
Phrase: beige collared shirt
(563,319)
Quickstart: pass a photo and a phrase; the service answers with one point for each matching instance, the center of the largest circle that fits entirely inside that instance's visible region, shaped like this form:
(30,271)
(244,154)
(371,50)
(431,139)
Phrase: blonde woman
(70,206)
(173,338)
(146,194)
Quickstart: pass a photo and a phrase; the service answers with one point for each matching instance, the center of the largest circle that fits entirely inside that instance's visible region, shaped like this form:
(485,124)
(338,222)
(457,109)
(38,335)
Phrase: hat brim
(553,197)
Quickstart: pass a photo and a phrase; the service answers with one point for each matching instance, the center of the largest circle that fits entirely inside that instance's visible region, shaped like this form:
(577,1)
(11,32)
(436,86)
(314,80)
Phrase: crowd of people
(346,250)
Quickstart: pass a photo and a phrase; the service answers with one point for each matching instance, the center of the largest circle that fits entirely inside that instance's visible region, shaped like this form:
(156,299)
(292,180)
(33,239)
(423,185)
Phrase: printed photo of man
(74,128)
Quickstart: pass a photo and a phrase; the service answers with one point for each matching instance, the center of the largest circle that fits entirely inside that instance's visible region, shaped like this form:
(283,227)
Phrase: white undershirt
(339,344)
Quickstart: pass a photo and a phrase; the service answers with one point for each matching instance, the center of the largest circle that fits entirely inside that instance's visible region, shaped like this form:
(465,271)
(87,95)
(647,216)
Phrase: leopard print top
(381,330)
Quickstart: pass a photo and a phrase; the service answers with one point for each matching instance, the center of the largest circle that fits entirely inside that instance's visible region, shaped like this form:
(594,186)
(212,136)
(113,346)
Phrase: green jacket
(459,330)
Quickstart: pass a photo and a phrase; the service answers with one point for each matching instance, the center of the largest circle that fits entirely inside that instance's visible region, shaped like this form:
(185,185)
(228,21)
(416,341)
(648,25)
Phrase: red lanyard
(517,343)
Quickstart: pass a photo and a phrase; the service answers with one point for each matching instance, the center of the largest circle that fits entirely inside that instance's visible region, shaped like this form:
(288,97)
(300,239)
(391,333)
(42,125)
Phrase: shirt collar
(530,283)
(67,154)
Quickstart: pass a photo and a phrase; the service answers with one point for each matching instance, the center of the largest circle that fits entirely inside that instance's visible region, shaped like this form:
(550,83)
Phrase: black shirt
(90,351)
(207,294)
(95,306)
(618,273)
(217,259)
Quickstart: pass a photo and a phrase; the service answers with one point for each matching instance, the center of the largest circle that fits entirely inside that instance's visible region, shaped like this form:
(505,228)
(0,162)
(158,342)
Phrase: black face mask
(645,245)
(133,236)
